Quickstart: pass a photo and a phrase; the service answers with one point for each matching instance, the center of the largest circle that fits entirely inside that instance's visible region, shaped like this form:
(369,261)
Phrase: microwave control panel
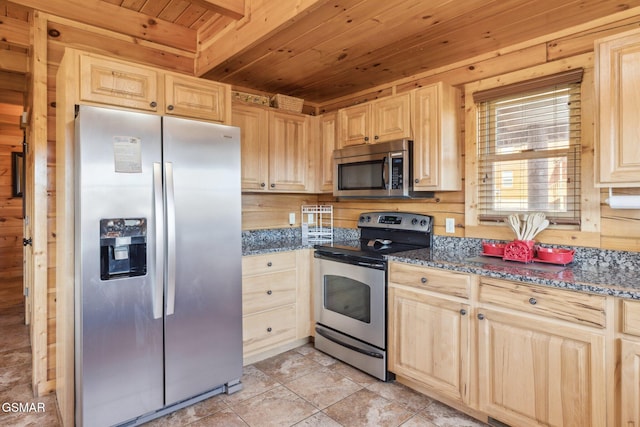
(396,180)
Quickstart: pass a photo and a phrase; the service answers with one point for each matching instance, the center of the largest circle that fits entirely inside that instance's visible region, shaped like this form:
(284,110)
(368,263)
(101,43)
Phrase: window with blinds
(529,149)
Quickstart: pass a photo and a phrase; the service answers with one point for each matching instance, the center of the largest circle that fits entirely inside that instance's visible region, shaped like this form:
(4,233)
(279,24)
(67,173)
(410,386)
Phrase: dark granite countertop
(599,279)
(596,271)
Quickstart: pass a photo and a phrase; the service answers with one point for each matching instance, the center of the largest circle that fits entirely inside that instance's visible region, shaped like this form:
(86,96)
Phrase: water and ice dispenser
(123,247)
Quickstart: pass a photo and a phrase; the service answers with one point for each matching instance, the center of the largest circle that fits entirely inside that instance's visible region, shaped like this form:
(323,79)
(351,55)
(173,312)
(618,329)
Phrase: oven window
(361,175)
(347,297)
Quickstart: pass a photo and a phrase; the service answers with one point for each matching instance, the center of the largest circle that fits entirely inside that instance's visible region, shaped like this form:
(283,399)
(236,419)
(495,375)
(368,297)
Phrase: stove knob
(423,223)
(368,218)
(361,219)
(414,221)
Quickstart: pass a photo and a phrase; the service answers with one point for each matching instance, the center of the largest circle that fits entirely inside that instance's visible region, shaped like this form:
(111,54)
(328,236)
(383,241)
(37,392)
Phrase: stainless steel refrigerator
(158,300)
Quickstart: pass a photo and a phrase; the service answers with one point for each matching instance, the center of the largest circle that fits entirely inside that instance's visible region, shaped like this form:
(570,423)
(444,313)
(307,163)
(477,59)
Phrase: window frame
(588,232)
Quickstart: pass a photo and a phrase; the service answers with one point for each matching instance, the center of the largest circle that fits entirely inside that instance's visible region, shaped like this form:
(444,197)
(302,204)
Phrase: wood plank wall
(620,229)
(10,207)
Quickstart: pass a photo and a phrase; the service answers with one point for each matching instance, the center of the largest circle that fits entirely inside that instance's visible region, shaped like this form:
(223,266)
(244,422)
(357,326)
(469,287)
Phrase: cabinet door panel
(189,97)
(540,373)
(328,128)
(391,118)
(118,83)
(618,62)
(428,340)
(630,383)
(354,125)
(254,146)
(288,152)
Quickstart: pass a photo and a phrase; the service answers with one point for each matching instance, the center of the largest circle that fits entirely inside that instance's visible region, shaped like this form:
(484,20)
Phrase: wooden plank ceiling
(320,50)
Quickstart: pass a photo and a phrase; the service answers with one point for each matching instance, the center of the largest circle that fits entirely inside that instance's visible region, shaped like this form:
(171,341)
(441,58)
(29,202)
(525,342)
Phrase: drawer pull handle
(269,264)
(480,316)
(463,311)
(424,280)
(269,292)
(532,301)
(269,329)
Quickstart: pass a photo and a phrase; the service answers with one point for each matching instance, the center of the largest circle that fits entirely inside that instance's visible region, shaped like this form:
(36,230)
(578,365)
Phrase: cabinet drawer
(269,328)
(571,306)
(267,291)
(432,279)
(259,264)
(631,317)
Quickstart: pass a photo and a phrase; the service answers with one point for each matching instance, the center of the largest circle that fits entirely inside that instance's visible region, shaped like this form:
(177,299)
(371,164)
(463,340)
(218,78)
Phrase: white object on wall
(623,202)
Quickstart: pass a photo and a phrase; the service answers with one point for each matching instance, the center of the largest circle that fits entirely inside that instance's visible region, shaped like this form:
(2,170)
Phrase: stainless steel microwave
(377,170)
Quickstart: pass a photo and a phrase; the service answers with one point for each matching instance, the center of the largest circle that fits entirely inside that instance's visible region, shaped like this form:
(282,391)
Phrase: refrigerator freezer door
(203,332)
(119,361)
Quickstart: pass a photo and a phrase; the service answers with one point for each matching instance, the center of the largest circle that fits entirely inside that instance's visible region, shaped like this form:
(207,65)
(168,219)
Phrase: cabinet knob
(424,280)
(366,138)
(170,107)
(262,184)
(273,186)
(269,292)
(417,181)
(463,311)
(269,329)
(480,316)
(269,264)
(153,104)
(376,137)
(532,301)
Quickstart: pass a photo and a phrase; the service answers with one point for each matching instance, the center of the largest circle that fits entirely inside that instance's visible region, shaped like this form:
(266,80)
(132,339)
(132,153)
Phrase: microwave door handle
(385,170)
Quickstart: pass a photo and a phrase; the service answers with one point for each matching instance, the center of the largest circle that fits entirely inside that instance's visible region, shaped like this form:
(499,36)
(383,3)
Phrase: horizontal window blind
(529,153)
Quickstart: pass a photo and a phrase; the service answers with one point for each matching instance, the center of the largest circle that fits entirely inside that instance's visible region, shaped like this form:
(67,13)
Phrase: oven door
(350,296)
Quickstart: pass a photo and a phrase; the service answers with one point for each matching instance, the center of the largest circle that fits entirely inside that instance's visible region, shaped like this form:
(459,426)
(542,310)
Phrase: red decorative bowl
(555,255)
(493,248)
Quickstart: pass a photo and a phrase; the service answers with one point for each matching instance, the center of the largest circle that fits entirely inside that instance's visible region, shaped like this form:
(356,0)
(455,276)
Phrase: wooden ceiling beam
(119,19)
(264,19)
(231,8)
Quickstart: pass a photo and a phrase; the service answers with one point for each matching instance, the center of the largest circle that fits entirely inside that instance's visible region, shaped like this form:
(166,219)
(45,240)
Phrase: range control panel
(396,220)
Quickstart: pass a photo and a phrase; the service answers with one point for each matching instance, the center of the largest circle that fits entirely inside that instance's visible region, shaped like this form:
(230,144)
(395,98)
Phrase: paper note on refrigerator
(127,154)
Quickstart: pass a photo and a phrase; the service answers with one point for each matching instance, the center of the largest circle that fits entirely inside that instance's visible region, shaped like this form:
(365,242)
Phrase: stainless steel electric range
(351,287)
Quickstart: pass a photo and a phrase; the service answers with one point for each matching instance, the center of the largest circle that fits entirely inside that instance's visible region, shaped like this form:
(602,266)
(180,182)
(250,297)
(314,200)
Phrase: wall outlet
(450,225)
(292,218)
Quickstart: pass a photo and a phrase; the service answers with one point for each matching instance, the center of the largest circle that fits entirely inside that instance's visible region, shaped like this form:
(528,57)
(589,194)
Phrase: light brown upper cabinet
(275,149)
(436,148)
(328,143)
(617,87)
(117,83)
(377,121)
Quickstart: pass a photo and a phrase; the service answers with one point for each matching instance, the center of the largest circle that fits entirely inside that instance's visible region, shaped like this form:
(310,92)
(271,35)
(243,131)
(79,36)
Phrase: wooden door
(288,152)
(539,372)
(429,341)
(254,137)
(391,118)
(117,83)
(354,124)
(618,77)
(196,98)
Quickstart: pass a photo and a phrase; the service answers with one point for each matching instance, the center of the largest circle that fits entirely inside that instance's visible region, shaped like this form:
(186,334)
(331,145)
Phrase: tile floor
(302,387)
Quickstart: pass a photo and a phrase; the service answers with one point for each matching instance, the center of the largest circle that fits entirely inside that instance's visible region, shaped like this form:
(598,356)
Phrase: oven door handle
(330,337)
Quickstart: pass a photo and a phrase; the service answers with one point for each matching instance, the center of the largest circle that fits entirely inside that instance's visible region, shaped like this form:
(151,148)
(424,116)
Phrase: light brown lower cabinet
(276,303)
(429,341)
(534,371)
(523,355)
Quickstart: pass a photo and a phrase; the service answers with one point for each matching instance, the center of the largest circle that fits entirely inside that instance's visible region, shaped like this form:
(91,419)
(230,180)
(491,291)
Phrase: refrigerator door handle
(156,293)
(171,239)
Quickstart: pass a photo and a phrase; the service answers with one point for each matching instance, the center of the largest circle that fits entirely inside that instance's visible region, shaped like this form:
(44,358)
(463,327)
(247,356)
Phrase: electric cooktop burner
(383,233)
